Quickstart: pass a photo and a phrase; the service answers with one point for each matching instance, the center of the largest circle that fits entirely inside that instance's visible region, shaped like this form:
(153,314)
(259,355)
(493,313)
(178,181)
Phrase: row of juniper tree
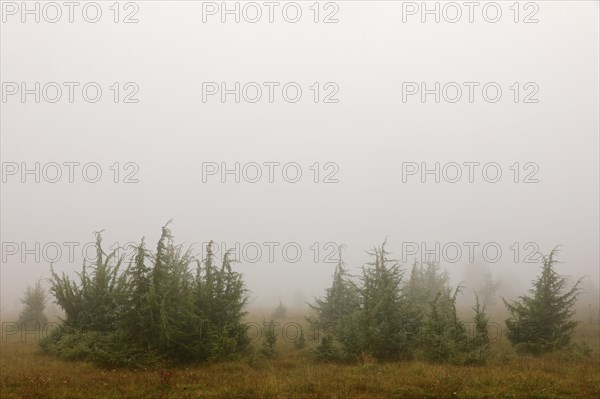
(387,316)
(384,314)
(166,305)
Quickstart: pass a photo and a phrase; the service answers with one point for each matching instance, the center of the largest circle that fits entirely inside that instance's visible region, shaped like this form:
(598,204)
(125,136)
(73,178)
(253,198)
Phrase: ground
(291,373)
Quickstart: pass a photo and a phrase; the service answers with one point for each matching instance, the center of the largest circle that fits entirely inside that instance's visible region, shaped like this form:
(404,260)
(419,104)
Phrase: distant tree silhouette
(34,299)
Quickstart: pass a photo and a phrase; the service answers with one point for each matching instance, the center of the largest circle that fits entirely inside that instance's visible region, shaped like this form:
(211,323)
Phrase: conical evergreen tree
(280,311)
(426,281)
(92,304)
(444,335)
(480,342)
(542,322)
(336,316)
(341,299)
(488,290)
(387,315)
(33,317)
(137,317)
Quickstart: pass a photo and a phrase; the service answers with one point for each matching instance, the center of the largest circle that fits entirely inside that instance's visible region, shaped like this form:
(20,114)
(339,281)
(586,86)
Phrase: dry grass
(27,373)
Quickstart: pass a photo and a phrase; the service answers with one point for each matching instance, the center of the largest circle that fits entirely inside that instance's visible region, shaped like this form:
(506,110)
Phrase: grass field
(292,373)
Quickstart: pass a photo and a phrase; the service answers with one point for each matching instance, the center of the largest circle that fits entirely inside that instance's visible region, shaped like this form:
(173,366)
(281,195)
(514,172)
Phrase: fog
(367,136)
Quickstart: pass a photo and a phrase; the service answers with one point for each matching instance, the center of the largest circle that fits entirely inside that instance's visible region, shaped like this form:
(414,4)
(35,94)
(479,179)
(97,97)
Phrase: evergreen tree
(542,322)
(336,317)
(300,341)
(382,317)
(268,345)
(137,318)
(280,311)
(480,343)
(341,299)
(445,336)
(171,298)
(387,315)
(228,310)
(92,304)
(155,309)
(33,317)
(426,281)
(488,290)
(329,349)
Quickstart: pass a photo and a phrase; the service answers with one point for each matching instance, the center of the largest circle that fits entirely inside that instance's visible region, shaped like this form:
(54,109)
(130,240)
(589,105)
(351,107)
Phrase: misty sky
(364,138)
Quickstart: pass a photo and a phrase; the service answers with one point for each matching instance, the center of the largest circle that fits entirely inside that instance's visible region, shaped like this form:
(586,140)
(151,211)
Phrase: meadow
(26,372)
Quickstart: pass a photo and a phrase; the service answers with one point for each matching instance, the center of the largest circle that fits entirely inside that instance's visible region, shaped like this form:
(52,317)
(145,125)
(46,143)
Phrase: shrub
(155,309)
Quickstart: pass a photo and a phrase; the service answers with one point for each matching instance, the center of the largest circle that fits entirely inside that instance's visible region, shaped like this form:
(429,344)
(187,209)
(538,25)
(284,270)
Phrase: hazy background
(369,133)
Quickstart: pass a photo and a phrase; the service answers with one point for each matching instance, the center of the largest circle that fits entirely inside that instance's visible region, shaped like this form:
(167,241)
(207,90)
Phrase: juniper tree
(336,316)
(93,309)
(154,309)
(425,282)
(387,316)
(170,297)
(488,289)
(542,321)
(445,336)
(94,302)
(137,317)
(268,345)
(300,341)
(480,342)
(230,302)
(330,350)
(32,316)
(220,299)
(280,311)
(341,299)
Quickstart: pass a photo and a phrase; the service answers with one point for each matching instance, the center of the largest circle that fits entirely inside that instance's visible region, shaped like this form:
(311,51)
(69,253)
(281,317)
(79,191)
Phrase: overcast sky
(370,125)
